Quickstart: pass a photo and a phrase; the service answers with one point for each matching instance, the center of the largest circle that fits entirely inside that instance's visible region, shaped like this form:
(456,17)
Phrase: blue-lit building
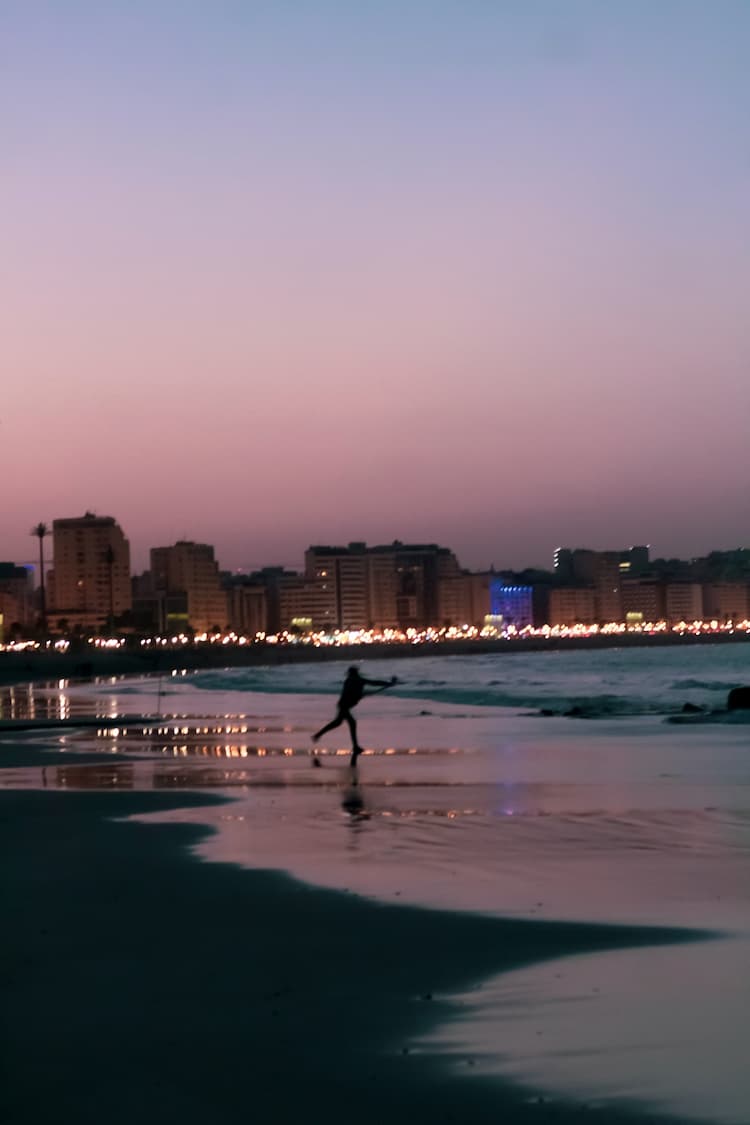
(513,603)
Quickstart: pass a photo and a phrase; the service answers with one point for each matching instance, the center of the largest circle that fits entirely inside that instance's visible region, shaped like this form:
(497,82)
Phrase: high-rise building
(90,582)
(384,586)
(344,571)
(190,570)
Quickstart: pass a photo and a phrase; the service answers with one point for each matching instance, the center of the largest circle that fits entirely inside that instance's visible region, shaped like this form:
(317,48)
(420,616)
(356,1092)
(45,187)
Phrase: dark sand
(141,984)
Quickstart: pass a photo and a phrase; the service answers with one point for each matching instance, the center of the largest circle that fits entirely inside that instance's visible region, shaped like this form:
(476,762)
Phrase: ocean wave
(542,698)
(581,685)
(703,685)
(726,718)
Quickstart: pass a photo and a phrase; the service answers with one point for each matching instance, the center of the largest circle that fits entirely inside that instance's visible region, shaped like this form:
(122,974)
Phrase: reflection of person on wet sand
(351,693)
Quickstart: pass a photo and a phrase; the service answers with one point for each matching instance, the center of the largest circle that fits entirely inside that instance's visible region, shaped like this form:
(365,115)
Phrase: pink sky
(274,278)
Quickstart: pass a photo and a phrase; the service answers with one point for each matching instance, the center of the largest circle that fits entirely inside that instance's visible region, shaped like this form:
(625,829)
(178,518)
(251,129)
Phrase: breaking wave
(592,684)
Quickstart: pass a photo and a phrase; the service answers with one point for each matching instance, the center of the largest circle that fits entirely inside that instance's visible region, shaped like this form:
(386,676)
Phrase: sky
(309,271)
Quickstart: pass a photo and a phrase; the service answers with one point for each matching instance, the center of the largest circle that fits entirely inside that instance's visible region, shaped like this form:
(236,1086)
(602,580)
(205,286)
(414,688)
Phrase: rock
(691,708)
(739,699)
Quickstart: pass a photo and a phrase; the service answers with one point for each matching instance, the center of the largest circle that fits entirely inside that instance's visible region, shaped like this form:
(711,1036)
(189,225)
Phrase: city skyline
(382,587)
(461,273)
(141,554)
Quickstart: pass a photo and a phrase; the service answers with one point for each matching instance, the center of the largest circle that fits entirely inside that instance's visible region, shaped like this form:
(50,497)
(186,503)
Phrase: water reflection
(353,802)
(115,775)
(51,701)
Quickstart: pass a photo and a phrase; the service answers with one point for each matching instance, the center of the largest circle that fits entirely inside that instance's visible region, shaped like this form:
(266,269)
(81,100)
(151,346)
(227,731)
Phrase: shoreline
(86,663)
(198,991)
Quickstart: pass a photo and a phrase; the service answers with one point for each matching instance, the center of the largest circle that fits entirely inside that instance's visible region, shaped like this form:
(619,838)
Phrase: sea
(597,785)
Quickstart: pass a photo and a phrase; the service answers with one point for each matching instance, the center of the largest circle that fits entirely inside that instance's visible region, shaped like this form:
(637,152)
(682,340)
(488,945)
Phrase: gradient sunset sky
(275,273)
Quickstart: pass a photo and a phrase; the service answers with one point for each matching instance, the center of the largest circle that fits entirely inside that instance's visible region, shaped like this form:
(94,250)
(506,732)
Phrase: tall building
(384,586)
(189,574)
(90,582)
(420,568)
(603,571)
(344,572)
(381,588)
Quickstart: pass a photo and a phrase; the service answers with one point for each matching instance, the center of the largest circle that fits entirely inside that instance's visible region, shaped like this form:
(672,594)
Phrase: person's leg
(352,722)
(329,726)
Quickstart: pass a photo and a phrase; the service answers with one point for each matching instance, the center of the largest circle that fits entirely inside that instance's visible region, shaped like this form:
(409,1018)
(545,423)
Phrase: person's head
(353,670)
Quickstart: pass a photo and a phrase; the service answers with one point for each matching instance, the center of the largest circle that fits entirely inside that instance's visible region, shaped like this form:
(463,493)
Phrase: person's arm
(379,684)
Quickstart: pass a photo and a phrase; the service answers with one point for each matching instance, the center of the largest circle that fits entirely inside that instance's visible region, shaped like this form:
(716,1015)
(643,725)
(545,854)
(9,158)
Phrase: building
(17,594)
(188,575)
(584,565)
(572,605)
(726,601)
(513,603)
(382,586)
(394,585)
(683,601)
(10,616)
(247,604)
(89,586)
(420,568)
(343,573)
(643,600)
(307,605)
(464,599)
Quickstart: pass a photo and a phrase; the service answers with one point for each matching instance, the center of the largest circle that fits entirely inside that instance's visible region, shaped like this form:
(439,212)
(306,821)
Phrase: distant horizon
(293,558)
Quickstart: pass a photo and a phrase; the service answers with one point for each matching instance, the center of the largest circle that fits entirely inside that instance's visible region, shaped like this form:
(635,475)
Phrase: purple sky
(276,273)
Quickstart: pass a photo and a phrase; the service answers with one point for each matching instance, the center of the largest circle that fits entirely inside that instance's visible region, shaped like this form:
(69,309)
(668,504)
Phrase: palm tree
(41,531)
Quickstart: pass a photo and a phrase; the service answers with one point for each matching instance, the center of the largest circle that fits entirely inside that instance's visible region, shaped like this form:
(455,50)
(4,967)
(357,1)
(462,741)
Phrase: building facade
(189,571)
(16,594)
(572,605)
(89,585)
(683,601)
(513,603)
(725,601)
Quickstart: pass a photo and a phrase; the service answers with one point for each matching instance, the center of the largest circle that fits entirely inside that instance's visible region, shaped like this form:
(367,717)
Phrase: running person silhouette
(351,693)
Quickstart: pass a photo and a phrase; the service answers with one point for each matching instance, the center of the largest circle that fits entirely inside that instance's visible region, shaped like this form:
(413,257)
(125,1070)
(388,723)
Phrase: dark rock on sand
(739,699)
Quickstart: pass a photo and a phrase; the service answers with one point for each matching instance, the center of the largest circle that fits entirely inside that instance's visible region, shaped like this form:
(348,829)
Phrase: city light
(346,638)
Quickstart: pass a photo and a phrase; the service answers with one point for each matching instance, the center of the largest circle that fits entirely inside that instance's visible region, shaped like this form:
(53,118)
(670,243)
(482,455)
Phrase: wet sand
(162,966)
(143,984)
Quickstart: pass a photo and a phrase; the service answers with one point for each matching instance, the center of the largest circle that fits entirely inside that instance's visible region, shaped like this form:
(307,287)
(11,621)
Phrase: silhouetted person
(351,693)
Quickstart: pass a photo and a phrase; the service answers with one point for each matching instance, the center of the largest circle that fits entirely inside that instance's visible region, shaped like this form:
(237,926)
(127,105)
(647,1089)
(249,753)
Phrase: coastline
(86,663)
(143,982)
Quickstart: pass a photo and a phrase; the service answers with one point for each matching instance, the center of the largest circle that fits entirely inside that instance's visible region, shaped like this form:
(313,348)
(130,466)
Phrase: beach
(509,916)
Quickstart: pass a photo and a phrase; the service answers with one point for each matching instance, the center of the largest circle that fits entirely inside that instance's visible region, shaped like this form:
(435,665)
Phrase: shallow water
(472,806)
